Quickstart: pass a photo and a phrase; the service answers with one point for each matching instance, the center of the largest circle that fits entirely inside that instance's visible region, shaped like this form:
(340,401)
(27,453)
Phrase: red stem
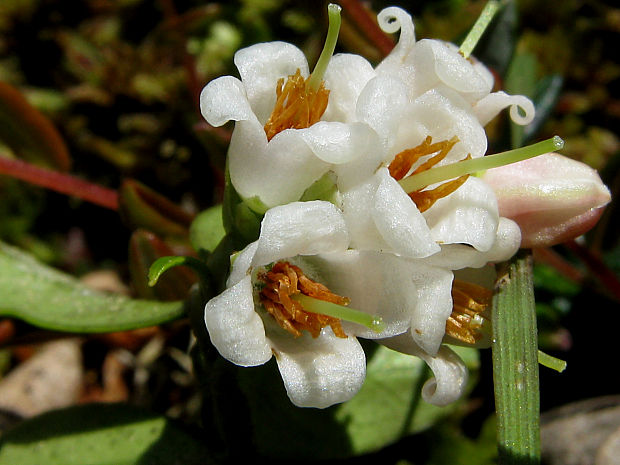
(363,19)
(551,258)
(596,266)
(59,182)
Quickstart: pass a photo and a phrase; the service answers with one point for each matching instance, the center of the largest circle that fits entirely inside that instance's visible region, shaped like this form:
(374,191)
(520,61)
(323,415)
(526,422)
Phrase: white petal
(260,67)
(234,327)
(319,372)
(345,77)
(434,306)
(337,143)
(241,266)
(356,203)
(398,220)
(507,241)
(450,372)
(439,62)
(458,256)
(279,171)
(379,284)
(434,114)
(468,216)
(300,228)
(398,62)
(381,105)
(224,99)
(450,378)
(489,107)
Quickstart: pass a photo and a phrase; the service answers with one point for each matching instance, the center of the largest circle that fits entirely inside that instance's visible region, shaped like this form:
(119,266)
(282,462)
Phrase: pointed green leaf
(103,434)
(50,299)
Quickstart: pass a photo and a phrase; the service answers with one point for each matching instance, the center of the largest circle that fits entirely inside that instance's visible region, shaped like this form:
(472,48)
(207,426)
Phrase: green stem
(470,42)
(333,13)
(515,364)
(322,307)
(460,168)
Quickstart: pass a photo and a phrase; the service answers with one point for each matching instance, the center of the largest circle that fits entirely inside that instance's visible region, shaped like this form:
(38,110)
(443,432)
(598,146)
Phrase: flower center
(283,282)
(300,102)
(298,105)
(469,305)
(402,163)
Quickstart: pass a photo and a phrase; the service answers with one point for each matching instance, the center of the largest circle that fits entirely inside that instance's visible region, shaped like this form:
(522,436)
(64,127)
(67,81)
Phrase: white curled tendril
(488,107)
(392,19)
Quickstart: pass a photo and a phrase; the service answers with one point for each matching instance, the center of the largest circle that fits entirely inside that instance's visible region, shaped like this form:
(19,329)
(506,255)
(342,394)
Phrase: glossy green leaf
(105,434)
(163,264)
(388,407)
(207,229)
(50,299)
(29,133)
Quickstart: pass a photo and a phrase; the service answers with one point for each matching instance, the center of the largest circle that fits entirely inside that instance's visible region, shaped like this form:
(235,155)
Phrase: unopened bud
(551,197)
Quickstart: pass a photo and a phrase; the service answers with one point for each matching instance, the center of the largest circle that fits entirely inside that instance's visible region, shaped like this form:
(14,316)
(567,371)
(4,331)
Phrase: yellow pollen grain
(297,106)
(469,304)
(285,280)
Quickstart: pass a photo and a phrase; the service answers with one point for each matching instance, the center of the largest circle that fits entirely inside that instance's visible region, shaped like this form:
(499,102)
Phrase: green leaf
(144,248)
(387,408)
(106,434)
(515,363)
(163,264)
(207,229)
(50,299)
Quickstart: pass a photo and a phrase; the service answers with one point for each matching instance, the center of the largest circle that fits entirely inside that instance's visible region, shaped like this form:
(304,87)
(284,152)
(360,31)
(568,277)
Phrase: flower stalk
(515,364)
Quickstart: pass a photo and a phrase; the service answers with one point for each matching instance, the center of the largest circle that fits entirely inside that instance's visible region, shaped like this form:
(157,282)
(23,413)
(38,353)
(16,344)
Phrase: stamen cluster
(282,283)
(470,304)
(298,105)
(400,168)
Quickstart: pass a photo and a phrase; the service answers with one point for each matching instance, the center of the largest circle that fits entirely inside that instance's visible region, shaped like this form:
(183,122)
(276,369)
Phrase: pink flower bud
(551,197)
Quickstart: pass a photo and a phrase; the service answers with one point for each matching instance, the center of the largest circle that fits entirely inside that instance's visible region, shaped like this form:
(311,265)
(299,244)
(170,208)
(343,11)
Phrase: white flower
(379,213)
(422,90)
(278,169)
(327,369)
(433,64)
